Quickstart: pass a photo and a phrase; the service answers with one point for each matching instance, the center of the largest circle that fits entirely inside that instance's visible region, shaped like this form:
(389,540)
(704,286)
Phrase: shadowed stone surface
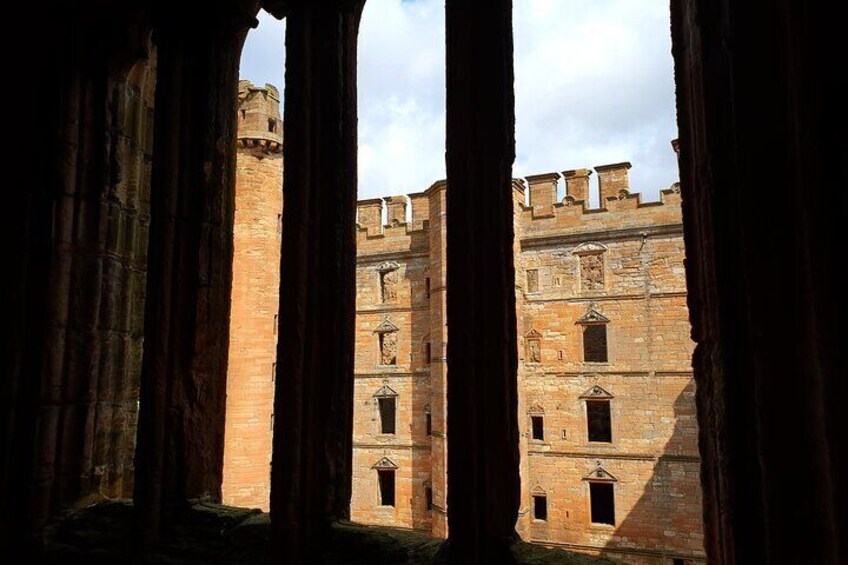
(206,533)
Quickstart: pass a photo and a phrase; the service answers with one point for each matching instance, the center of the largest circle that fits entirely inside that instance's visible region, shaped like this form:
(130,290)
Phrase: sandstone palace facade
(609,448)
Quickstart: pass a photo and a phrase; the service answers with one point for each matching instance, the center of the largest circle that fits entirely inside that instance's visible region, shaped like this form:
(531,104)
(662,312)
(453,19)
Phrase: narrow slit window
(428,352)
(595,343)
(540,507)
(272,125)
(428,497)
(538,423)
(386,478)
(427,286)
(429,423)
(388,407)
(598,420)
(603,503)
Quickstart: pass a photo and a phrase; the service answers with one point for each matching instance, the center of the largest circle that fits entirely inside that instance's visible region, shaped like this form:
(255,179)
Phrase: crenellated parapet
(404,228)
(619,208)
(260,128)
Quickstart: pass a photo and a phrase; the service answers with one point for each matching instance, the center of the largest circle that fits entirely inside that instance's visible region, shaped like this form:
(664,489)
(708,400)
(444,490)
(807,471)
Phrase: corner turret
(259,123)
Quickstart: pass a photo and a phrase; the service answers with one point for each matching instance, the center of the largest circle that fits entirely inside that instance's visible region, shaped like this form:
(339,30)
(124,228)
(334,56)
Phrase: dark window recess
(279,223)
(595,343)
(540,507)
(276,322)
(273,371)
(429,424)
(538,427)
(272,125)
(427,286)
(678,561)
(428,351)
(387,486)
(428,496)
(387,415)
(598,420)
(243,114)
(603,503)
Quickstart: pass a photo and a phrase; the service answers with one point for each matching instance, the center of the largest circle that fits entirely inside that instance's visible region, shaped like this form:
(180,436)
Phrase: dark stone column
(76,266)
(762,116)
(313,407)
(483,457)
(179,455)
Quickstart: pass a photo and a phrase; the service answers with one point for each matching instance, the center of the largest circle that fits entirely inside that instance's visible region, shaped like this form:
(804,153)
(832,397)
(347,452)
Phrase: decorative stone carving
(385,463)
(388,286)
(592,272)
(385,391)
(536,409)
(533,346)
(532,280)
(599,474)
(593,317)
(596,392)
(388,348)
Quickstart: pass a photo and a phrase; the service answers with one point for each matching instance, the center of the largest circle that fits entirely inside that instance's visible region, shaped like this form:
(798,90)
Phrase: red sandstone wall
(255,305)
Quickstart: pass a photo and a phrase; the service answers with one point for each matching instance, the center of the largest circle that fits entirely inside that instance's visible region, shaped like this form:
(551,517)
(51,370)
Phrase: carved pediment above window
(387,266)
(385,391)
(384,463)
(533,333)
(589,247)
(536,409)
(600,474)
(538,490)
(386,326)
(597,393)
(426,408)
(593,317)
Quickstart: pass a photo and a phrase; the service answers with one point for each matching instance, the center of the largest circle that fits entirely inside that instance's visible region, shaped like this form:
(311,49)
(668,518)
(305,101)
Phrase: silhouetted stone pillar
(483,452)
(179,454)
(75,266)
(313,407)
(762,119)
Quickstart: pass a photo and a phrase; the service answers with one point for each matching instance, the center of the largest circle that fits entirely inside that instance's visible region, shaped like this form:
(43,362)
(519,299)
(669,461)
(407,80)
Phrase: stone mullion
(483,454)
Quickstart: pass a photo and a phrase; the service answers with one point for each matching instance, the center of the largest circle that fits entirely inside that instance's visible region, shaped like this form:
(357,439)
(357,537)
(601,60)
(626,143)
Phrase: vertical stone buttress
(255,299)
(438,363)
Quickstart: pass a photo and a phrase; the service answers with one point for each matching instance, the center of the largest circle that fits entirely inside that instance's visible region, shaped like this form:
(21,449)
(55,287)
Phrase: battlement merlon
(259,122)
(543,192)
(613,181)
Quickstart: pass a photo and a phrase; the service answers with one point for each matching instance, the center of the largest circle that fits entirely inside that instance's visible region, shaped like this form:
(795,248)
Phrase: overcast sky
(593,83)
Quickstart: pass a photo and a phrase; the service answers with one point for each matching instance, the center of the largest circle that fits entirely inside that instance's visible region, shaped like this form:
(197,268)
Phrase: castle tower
(255,301)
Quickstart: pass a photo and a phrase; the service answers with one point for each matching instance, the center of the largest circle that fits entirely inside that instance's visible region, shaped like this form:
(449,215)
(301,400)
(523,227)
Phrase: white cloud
(594,85)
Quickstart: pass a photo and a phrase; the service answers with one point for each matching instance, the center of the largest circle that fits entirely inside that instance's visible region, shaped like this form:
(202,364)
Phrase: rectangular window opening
(595,343)
(598,420)
(428,352)
(388,407)
(540,507)
(538,427)
(428,497)
(603,503)
(387,486)
(429,424)
(427,286)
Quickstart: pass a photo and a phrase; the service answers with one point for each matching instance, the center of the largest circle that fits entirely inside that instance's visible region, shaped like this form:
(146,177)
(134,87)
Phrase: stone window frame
(385,327)
(599,475)
(385,391)
(536,411)
(385,464)
(428,504)
(428,420)
(596,393)
(532,336)
(538,491)
(586,249)
(593,317)
(384,269)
